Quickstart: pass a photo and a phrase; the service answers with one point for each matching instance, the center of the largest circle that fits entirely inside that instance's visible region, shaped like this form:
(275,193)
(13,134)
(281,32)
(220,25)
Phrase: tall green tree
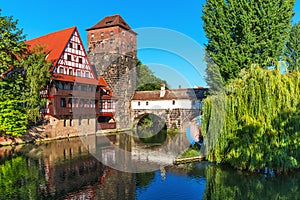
(292,48)
(22,75)
(13,119)
(36,77)
(146,80)
(241,33)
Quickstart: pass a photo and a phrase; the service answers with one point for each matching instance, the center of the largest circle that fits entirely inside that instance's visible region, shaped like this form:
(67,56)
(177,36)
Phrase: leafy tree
(259,126)
(37,75)
(241,33)
(292,48)
(22,74)
(146,80)
(13,118)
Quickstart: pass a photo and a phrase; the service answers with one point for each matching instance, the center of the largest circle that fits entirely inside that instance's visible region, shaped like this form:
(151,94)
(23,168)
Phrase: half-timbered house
(73,93)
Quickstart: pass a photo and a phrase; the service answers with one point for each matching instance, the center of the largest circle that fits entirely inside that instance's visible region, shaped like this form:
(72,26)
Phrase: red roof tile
(53,43)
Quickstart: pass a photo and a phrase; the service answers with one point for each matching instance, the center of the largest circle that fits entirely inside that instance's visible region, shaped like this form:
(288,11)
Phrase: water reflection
(66,169)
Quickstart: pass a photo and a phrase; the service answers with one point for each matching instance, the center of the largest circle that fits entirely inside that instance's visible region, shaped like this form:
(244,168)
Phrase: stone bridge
(176,107)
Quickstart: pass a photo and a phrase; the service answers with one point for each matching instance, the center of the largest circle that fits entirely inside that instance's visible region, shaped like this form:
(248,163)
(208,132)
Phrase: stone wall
(70,127)
(174,118)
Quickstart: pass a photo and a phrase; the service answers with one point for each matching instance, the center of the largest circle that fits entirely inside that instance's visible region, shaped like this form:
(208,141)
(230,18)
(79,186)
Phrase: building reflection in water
(66,168)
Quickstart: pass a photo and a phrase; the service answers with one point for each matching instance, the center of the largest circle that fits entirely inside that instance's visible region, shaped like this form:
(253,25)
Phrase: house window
(61,70)
(102,34)
(70,103)
(71,45)
(78,47)
(87,74)
(78,73)
(173,102)
(71,72)
(147,103)
(139,103)
(92,35)
(69,58)
(63,102)
(80,60)
(111,33)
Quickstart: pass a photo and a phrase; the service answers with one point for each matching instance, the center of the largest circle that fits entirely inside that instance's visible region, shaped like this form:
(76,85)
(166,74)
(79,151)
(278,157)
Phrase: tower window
(92,35)
(63,102)
(102,34)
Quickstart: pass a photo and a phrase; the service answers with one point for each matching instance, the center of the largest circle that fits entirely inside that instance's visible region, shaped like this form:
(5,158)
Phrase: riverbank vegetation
(261,121)
(22,75)
(251,118)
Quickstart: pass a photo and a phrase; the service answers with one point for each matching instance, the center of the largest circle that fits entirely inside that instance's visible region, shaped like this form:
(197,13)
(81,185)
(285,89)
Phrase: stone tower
(112,52)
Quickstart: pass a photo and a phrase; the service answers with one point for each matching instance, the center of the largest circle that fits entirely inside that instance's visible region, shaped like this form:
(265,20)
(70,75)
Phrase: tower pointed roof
(109,21)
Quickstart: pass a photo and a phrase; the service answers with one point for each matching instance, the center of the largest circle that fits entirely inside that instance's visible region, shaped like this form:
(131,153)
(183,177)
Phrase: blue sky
(176,56)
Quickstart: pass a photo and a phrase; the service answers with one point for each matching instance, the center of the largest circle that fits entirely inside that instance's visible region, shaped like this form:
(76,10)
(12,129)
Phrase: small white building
(187,98)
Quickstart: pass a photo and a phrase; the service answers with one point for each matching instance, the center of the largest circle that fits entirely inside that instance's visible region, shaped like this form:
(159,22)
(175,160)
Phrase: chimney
(162,90)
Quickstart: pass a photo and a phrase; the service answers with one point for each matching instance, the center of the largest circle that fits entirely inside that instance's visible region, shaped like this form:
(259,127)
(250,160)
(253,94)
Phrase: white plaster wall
(166,104)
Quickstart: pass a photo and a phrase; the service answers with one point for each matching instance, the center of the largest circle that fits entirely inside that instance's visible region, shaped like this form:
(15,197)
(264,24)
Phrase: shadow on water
(151,130)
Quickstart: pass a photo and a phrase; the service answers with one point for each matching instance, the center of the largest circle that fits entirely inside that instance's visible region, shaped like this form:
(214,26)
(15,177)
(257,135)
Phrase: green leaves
(146,80)
(22,75)
(292,49)
(261,127)
(241,33)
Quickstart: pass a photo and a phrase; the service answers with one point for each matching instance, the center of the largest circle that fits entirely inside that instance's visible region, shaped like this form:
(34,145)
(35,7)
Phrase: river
(120,167)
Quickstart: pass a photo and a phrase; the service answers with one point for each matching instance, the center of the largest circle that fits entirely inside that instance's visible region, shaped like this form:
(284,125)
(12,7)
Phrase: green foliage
(37,75)
(146,80)
(22,75)
(191,152)
(241,33)
(19,179)
(292,49)
(258,123)
(13,120)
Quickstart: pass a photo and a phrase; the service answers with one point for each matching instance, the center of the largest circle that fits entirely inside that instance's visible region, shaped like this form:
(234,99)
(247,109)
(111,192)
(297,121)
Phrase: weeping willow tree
(260,118)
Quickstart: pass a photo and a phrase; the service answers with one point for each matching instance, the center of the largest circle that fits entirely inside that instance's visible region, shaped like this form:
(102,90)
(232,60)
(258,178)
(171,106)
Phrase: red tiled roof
(53,43)
(109,21)
(73,79)
(102,82)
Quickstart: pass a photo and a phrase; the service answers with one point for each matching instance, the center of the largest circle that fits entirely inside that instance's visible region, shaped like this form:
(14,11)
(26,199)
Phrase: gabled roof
(109,21)
(53,43)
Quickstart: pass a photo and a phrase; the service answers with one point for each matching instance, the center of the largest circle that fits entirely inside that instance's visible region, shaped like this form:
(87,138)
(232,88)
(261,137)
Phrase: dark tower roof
(109,21)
